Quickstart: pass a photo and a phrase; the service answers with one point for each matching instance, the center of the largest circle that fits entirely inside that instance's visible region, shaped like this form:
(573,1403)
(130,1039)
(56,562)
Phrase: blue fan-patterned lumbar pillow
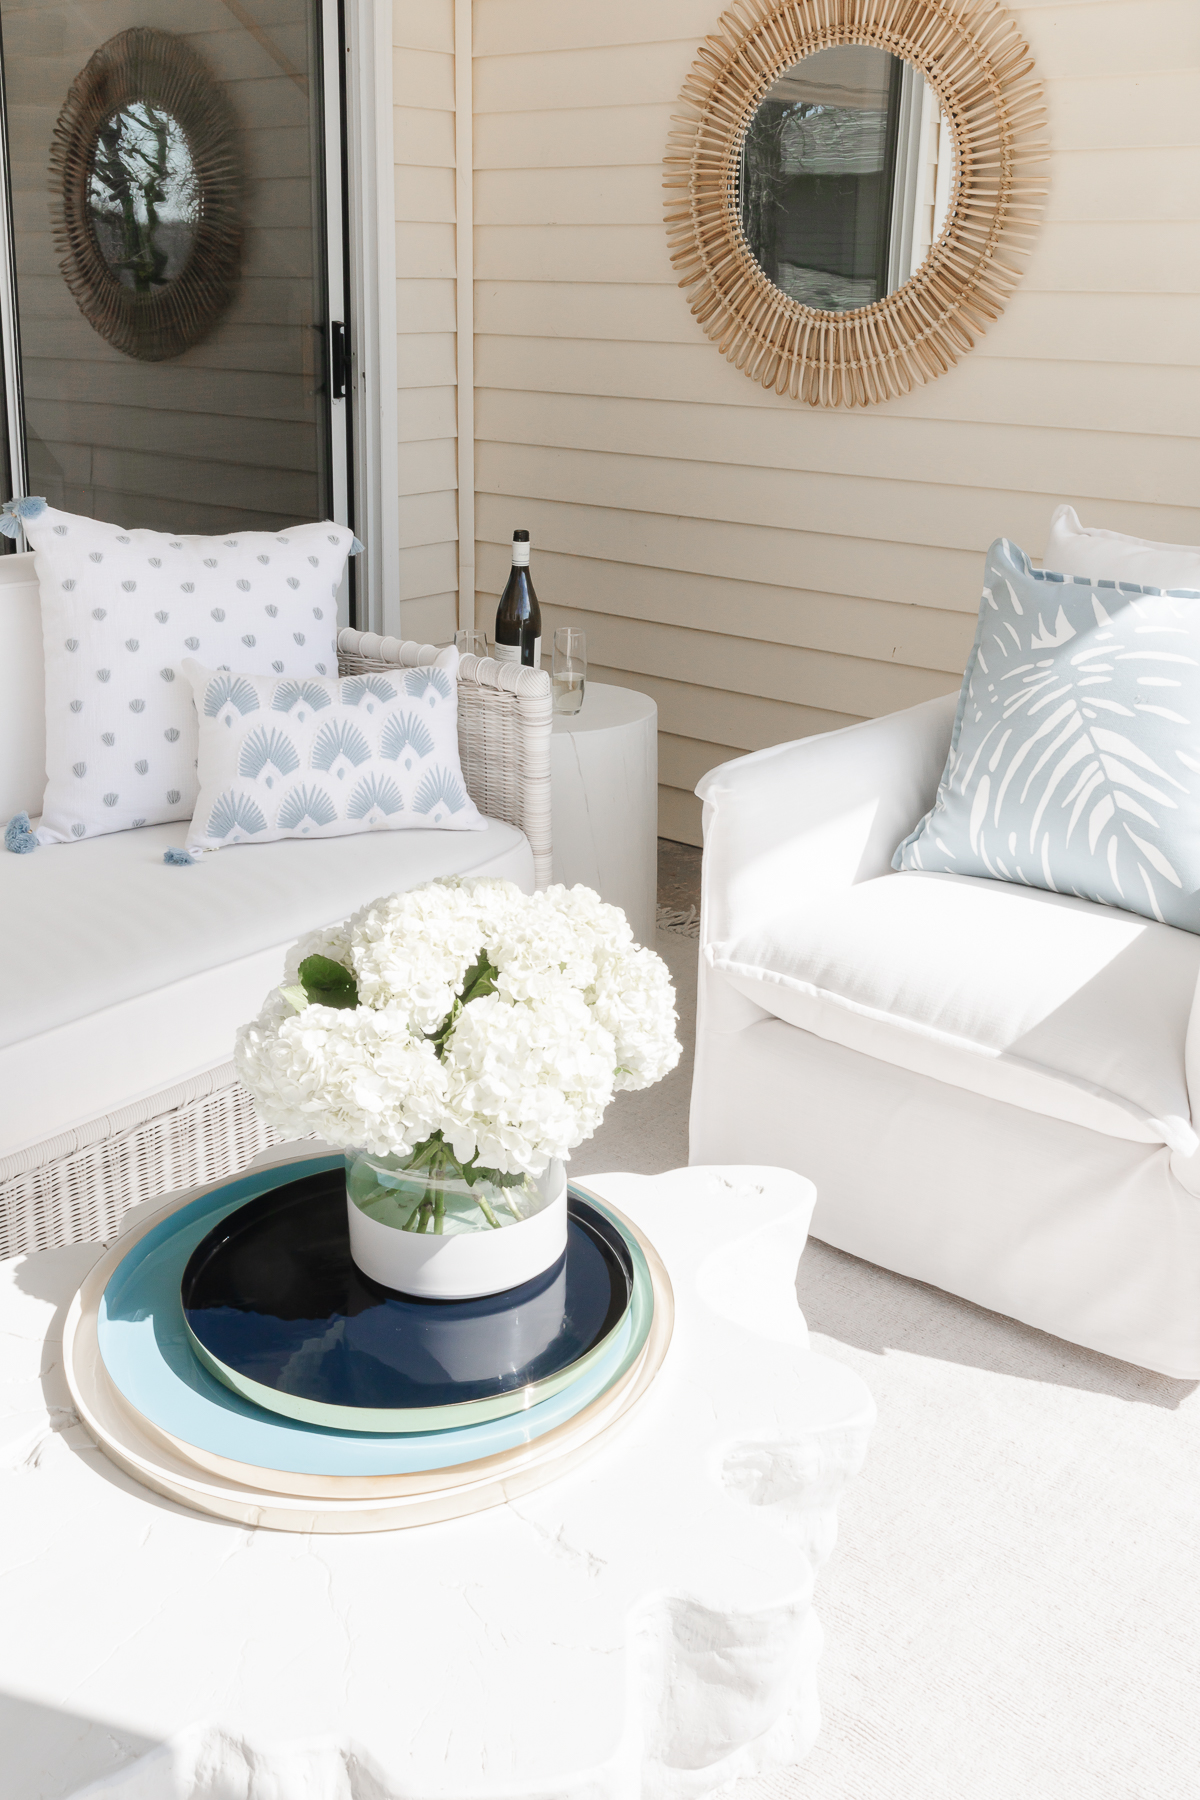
(1075,759)
(323,756)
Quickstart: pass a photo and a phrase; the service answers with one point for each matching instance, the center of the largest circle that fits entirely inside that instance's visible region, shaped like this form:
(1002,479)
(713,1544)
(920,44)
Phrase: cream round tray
(289,1501)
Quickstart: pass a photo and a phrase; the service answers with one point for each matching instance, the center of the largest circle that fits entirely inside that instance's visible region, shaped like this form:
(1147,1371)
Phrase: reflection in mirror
(143,197)
(845,177)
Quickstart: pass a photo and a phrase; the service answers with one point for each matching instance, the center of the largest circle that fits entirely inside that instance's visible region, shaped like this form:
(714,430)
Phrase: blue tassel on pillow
(23,506)
(178,859)
(18,836)
(356,549)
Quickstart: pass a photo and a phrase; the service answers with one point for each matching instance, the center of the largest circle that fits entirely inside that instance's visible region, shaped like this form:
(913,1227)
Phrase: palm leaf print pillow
(1074,763)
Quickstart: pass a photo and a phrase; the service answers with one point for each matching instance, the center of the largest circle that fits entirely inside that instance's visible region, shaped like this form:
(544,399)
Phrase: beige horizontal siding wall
(423,39)
(761,569)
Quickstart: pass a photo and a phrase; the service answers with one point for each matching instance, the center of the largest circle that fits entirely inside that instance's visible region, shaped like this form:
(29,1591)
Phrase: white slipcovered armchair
(989,1084)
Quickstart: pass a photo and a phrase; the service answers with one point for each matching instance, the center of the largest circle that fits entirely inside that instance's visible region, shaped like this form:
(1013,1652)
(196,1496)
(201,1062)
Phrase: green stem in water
(484,1206)
(428,1152)
(438,1160)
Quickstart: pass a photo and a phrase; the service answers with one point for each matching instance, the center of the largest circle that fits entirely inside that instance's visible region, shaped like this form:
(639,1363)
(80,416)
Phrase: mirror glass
(143,197)
(845,179)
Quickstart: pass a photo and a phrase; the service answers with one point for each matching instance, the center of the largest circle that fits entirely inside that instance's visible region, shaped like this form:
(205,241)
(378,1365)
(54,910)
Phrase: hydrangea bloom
(569,1010)
(357,1077)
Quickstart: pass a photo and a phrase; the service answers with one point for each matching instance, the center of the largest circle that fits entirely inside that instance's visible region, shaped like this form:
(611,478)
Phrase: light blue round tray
(144,1344)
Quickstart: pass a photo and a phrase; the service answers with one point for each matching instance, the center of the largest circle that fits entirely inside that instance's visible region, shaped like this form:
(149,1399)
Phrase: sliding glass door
(174,280)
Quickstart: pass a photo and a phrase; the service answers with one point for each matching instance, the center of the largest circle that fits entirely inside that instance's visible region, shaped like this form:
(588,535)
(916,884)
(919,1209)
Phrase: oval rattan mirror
(822,252)
(145,162)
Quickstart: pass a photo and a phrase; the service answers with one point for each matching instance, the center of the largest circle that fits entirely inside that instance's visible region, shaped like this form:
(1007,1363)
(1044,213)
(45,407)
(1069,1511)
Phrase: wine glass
(471,642)
(569,671)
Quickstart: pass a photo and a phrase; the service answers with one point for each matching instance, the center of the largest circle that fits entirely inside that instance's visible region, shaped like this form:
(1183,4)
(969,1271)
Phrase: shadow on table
(875,1310)
(52,1752)
(54,1276)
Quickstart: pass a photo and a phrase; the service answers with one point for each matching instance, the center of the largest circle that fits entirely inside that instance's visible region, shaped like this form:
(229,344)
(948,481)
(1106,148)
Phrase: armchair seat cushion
(1057,1005)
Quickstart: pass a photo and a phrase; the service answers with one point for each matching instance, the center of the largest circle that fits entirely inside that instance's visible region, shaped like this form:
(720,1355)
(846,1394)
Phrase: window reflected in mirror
(144,198)
(845,177)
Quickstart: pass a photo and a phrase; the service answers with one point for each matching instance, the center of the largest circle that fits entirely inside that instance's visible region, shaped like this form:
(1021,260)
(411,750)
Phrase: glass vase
(428,1231)
(390,1190)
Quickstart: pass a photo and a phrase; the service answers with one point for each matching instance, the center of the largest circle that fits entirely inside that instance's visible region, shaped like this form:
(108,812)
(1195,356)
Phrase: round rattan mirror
(849,191)
(145,163)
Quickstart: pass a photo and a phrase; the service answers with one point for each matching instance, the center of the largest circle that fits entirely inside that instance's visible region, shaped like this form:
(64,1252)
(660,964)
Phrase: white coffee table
(641,1627)
(604,792)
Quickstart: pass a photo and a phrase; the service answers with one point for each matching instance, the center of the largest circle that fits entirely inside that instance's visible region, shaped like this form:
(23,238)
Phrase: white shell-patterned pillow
(321,757)
(120,612)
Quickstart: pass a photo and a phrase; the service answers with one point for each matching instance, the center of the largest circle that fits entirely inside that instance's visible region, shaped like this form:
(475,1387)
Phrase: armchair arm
(824,813)
(504,717)
(1185,1167)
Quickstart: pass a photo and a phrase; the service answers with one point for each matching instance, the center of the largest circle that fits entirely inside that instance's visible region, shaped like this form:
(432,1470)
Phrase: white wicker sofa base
(119,1015)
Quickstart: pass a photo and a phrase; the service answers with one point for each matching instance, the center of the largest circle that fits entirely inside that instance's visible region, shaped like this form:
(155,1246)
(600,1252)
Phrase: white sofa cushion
(22,689)
(124,976)
(1057,1005)
(1075,549)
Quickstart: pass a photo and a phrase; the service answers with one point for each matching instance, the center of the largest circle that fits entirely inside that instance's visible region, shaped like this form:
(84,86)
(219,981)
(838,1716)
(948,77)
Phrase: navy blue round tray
(277,1310)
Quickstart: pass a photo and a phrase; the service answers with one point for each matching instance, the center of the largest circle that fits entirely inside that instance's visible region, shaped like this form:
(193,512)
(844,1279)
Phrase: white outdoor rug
(1013,1611)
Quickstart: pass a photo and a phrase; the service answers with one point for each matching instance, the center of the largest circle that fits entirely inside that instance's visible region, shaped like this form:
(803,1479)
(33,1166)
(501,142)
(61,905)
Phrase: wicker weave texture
(75,1189)
(201,1131)
(504,717)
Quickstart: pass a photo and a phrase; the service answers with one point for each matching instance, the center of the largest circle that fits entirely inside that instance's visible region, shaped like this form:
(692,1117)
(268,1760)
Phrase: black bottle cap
(520,537)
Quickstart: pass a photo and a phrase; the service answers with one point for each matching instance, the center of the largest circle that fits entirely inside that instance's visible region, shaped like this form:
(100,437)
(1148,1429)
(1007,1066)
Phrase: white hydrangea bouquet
(463,1029)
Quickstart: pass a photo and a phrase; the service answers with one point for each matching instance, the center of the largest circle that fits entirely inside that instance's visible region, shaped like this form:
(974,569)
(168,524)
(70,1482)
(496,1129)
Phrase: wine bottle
(518,616)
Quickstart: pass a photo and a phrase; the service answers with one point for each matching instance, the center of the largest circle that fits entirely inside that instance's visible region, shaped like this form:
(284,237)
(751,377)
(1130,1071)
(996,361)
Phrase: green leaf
(327,983)
(480,979)
(474,1173)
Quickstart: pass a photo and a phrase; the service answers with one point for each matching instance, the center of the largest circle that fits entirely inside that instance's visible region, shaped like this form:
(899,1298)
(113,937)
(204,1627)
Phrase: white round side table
(604,789)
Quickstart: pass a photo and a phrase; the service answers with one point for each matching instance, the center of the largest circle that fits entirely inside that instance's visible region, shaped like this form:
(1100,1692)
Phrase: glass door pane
(168,175)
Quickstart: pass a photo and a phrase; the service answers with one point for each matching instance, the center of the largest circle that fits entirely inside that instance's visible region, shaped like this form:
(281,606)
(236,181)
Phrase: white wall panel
(424,140)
